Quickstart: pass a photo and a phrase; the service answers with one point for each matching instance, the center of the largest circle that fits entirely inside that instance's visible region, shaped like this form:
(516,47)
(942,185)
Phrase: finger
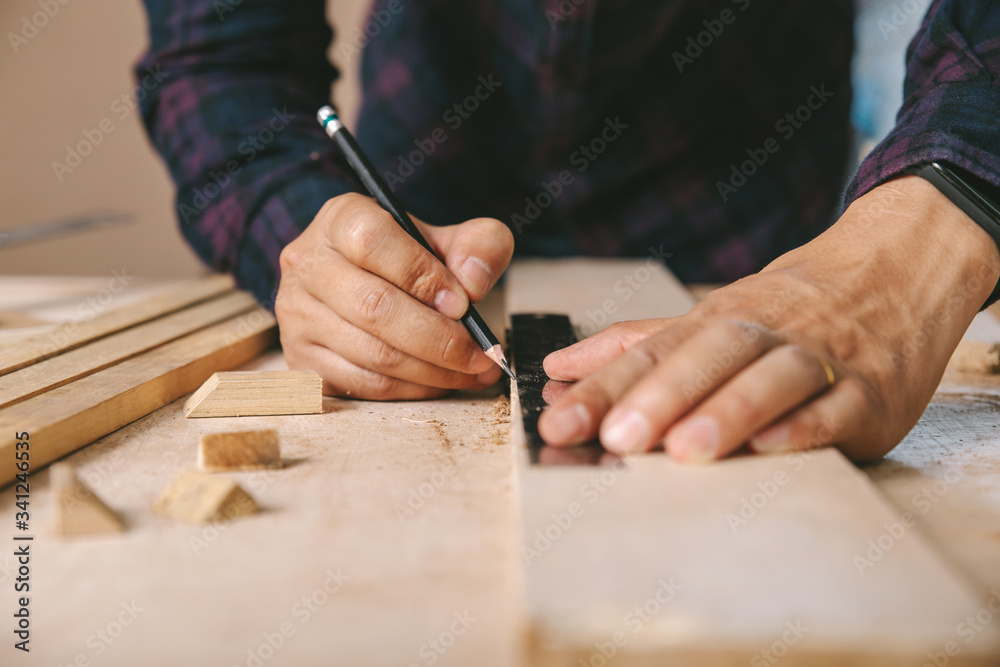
(570,455)
(342,378)
(695,369)
(476,251)
(782,379)
(360,230)
(553,390)
(366,351)
(389,314)
(580,360)
(574,417)
(839,417)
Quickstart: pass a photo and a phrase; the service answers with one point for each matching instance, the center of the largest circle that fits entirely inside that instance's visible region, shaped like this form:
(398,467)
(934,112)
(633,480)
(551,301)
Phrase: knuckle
(384,357)
(374,304)
(741,400)
(424,279)
(803,358)
(292,258)
(747,331)
(361,237)
(383,388)
(456,351)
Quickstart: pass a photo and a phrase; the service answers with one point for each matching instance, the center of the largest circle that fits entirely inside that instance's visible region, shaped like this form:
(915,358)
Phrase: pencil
(363,167)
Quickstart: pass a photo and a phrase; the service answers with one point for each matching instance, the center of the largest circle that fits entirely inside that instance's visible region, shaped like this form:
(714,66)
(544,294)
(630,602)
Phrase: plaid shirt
(713,133)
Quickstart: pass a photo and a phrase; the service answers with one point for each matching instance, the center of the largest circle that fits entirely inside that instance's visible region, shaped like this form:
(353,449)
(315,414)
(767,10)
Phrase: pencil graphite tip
(496,354)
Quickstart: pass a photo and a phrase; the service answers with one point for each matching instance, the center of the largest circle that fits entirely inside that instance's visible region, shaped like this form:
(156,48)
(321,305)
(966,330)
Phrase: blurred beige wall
(61,82)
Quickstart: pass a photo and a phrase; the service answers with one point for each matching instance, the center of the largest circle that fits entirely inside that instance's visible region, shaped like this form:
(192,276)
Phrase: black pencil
(472,320)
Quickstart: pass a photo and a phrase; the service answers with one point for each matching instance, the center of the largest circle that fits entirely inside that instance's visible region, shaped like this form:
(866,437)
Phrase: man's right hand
(369,309)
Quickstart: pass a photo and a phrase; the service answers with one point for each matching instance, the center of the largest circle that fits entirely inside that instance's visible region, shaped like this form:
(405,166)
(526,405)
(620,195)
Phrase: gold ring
(828,369)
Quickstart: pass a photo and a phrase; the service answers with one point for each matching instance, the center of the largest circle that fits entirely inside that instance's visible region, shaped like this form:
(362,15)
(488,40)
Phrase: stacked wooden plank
(74,384)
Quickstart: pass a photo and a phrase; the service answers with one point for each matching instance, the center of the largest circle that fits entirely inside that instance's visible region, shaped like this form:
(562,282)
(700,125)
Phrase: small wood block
(242,450)
(77,510)
(199,498)
(257,393)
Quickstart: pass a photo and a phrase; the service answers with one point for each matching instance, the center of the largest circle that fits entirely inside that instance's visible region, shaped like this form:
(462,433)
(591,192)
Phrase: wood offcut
(77,510)
(259,393)
(242,450)
(198,497)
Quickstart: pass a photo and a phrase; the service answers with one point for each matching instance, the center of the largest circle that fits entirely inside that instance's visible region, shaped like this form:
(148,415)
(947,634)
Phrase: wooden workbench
(369,552)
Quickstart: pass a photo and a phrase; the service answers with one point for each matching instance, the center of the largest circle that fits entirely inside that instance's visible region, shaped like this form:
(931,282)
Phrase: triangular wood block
(199,498)
(257,393)
(77,510)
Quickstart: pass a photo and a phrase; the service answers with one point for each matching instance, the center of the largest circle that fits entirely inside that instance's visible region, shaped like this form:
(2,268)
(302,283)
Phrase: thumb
(581,359)
(477,252)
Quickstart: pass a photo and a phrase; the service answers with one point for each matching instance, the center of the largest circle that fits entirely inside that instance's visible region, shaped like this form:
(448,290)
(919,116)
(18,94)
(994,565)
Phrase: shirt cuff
(953,123)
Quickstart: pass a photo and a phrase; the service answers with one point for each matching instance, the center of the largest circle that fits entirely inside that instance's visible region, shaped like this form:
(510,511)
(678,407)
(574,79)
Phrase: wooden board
(255,394)
(719,560)
(70,335)
(114,348)
(73,415)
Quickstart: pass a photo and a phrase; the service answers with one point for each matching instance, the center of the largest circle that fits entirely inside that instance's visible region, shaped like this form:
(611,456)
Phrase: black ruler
(532,337)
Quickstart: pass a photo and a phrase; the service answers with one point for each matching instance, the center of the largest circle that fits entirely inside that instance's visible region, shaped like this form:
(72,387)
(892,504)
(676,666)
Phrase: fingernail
(449,304)
(772,440)
(626,431)
(490,377)
(477,275)
(569,424)
(695,440)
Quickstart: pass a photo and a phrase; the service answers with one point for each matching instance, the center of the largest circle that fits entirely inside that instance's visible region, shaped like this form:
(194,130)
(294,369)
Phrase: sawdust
(443,438)
(500,412)
(498,416)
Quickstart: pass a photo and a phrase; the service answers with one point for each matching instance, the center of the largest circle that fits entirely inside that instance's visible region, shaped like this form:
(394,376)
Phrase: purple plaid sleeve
(951,98)
(234,118)
(710,134)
